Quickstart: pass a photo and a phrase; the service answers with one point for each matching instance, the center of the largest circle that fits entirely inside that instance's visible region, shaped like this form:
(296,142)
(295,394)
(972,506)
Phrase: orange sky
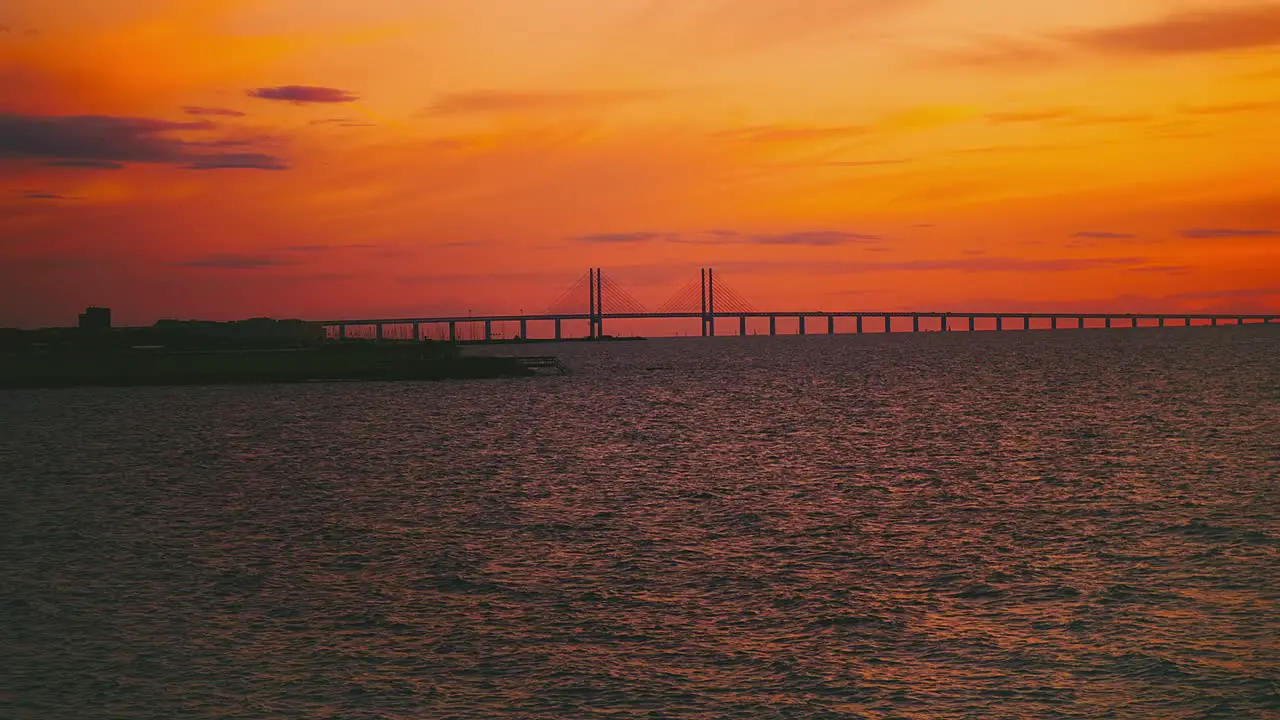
(332,158)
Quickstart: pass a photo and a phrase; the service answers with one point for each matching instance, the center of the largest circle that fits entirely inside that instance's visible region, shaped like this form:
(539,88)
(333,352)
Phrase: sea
(1023,525)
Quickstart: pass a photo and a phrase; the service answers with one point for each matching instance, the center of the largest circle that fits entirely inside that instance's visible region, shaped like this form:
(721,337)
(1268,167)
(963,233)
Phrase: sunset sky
(387,158)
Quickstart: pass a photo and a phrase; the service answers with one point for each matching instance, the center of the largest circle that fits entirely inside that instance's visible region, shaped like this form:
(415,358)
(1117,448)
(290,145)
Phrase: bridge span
(618,305)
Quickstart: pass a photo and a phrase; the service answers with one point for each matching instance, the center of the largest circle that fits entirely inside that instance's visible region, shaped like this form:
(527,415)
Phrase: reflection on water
(938,526)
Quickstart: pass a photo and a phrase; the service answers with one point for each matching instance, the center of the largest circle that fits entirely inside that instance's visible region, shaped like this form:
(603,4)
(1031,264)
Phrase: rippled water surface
(1044,525)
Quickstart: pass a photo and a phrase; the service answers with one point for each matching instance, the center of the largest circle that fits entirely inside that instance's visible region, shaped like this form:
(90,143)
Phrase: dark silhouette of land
(260,350)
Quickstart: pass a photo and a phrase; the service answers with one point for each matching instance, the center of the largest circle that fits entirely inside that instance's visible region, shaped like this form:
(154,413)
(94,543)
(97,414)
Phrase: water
(1069,525)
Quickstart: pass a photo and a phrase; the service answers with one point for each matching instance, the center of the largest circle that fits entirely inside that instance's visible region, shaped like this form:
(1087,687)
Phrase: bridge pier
(773,324)
(801,319)
(915,323)
(1133,322)
(1215,322)
(453,331)
(524,329)
(859,324)
(742,325)
(1053,323)
(417,332)
(557,328)
(831,324)
(342,332)
(1080,323)
(999,322)
(1108,322)
(488,329)
(1026,322)
(972,323)
(1240,321)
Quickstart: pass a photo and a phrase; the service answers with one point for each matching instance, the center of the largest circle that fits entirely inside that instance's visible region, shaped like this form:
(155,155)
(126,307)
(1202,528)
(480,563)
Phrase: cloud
(342,122)
(1216,233)
(236,261)
(1231,108)
(211,111)
(495,101)
(103,142)
(752,25)
(1103,235)
(1240,27)
(1227,28)
(1227,294)
(301,94)
(963,265)
(794,133)
(814,238)
(1021,116)
(234,161)
(619,238)
(44,196)
(817,238)
(88,164)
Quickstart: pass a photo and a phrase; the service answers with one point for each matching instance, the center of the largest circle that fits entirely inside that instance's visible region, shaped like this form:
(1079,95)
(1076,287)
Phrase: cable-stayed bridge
(595,297)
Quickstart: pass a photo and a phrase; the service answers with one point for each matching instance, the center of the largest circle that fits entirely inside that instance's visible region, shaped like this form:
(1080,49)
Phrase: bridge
(713,302)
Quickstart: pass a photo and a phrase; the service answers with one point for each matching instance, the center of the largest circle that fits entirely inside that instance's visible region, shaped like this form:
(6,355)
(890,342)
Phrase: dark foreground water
(1070,525)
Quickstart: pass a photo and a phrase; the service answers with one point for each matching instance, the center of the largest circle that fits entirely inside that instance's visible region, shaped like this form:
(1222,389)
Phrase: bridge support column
(773,324)
(453,331)
(417,332)
(1108,322)
(524,329)
(558,328)
(915,323)
(1080,323)
(1161,322)
(1240,321)
(1187,321)
(1053,323)
(742,325)
(972,322)
(801,319)
(488,329)
(831,324)
(1026,322)
(377,331)
(999,322)
(1133,322)
(342,332)
(859,324)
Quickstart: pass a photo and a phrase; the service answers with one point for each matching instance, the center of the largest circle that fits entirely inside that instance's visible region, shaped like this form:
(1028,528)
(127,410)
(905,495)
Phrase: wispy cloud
(211,111)
(619,238)
(811,238)
(1103,235)
(1234,27)
(237,261)
(44,196)
(794,133)
(1232,108)
(104,142)
(303,94)
(496,101)
(1229,294)
(1224,28)
(232,161)
(1022,116)
(753,25)
(1216,233)
(85,164)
